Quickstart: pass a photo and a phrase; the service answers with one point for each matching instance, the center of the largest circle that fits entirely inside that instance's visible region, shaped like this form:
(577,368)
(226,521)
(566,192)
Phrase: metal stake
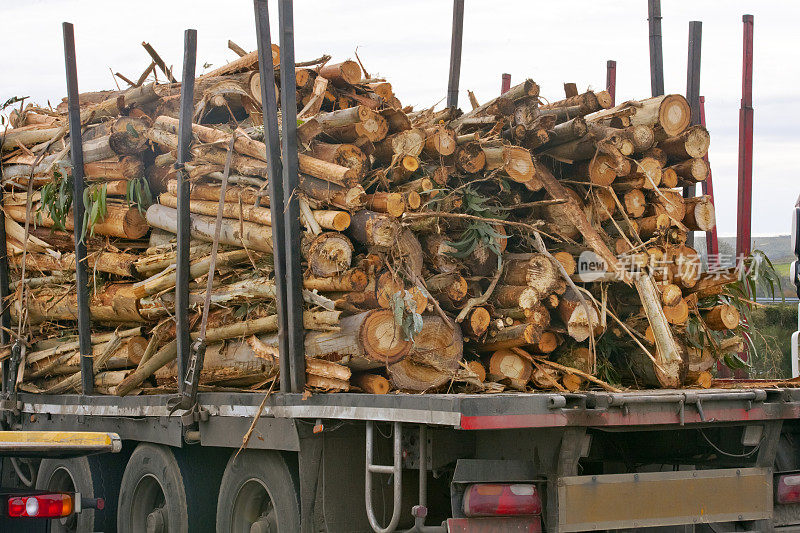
(693,94)
(5,316)
(455,53)
(505,83)
(745,195)
(611,80)
(294,273)
(184,235)
(276,200)
(656,55)
(712,243)
(76,156)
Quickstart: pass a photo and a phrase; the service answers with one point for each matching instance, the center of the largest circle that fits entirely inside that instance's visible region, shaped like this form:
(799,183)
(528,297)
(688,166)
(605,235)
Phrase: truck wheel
(257,494)
(93,477)
(152,497)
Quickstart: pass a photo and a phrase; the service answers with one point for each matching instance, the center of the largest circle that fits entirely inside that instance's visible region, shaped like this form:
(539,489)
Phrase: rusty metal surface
(664,498)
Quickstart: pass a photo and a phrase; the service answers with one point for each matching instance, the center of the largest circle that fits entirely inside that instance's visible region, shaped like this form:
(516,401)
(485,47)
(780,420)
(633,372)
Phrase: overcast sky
(408,42)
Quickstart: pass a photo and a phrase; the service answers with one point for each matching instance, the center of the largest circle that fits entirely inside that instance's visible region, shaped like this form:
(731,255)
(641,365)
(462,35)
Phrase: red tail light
(501,499)
(40,506)
(788,490)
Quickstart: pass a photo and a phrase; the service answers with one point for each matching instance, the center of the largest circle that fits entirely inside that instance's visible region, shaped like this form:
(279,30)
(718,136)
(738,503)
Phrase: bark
(510,337)
(241,234)
(120,264)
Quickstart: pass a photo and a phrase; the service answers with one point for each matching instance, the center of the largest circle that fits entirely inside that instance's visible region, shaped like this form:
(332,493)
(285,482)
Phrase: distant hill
(777,248)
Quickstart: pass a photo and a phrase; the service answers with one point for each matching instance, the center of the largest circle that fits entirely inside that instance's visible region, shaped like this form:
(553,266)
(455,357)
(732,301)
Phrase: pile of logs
(443,251)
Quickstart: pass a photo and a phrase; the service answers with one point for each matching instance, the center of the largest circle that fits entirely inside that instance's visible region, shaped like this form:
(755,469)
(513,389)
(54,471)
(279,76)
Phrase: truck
(700,460)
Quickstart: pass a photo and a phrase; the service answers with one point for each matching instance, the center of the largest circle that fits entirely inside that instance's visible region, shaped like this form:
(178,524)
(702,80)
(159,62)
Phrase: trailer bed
(225,416)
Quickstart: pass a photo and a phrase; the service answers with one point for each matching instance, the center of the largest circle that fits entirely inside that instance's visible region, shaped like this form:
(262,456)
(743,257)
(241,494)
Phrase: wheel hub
(156,521)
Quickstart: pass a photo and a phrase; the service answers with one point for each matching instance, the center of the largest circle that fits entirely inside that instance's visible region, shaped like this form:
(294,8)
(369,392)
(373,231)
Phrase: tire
(168,487)
(94,477)
(257,486)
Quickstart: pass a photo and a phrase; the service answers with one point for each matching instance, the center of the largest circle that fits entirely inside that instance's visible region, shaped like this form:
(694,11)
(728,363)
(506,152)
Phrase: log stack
(442,250)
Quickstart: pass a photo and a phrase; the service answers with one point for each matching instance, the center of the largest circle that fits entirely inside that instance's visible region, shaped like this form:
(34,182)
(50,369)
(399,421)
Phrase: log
(477,322)
(700,214)
(693,170)
(327,254)
(241,234)
(120,221)
(677,314)
(721,317)
(341,74)
(574,316)
(352,280)
(115,302)
(670,294)
(505,364)
(117,263)
(391,203)
(433,360)
(514,160)
(520,296)
(370,383)
(374,229)
(690,144)
(671,113)
(345,155)
(440,140)
(534,270)
(364,341)
(470,158)
(634,202)
(511,337)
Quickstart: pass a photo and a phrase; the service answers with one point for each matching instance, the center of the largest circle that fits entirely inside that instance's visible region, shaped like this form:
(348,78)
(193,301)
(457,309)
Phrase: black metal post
(455,53)
(184,235)
(5,316)
(693,93)
(276,201)
(76,157)
(656,55)
(294,273)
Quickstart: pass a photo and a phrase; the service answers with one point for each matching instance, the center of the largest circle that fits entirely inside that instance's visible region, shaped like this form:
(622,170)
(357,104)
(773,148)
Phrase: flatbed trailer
(677,459)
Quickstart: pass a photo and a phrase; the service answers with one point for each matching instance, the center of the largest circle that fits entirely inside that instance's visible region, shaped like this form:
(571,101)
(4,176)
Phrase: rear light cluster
(40,506)
(501,499)
(788,489)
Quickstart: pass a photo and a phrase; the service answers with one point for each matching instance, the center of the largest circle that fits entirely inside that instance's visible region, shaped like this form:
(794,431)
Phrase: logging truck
(261,457)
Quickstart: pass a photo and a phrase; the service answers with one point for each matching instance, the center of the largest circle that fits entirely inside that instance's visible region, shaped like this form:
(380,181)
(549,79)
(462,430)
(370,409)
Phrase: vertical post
(505,83)
(294,273)
(5,316)
(656,55)
(276,201)
(712,243)
(693,93)
(745,144)
(455,53)
(184,341)
(76,156)
(745,193)
(611,80)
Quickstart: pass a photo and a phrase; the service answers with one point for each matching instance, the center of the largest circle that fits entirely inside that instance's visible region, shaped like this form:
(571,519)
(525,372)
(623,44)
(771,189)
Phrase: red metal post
(712,244)
(745,144)
(611,80)
(505,84)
